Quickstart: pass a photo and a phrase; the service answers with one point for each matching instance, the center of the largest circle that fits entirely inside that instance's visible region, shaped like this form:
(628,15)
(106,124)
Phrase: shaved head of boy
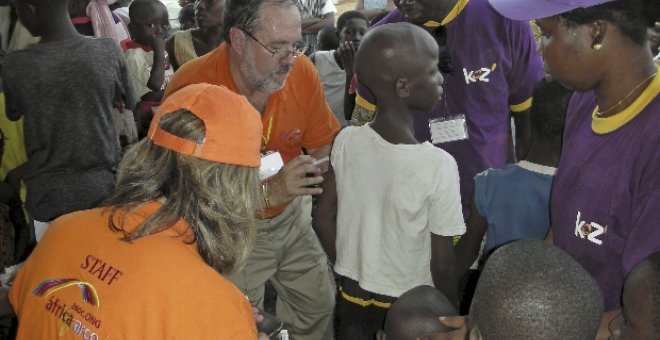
(416,313)
(532,290)
(399,64)
(640,317)
(42,16)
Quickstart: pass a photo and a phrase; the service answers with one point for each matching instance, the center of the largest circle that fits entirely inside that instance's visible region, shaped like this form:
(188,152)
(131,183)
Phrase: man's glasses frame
(277,53)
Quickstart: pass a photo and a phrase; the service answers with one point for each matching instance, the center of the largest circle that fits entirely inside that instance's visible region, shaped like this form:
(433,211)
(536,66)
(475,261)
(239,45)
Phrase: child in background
(335,67)
(390,207)
(187,17)
(416,313)
(513,202)
(186,45)
(327,39)
(146,58)
(67,99)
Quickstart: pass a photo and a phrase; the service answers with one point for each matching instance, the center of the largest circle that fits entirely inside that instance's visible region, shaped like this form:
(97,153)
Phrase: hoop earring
(597,47)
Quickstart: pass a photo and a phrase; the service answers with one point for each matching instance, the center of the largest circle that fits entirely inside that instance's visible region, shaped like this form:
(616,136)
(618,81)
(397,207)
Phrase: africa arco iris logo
(48,287)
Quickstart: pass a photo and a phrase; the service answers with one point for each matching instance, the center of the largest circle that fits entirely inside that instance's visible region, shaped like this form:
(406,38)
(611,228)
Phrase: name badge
(271,163)
(448,129)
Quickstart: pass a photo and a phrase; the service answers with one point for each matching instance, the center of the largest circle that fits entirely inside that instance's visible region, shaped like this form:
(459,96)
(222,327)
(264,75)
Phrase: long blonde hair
(217,201)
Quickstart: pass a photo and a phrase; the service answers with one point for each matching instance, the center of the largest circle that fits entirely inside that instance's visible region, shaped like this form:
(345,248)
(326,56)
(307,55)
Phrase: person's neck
(59,29)
(394,123)
(621,86)
(444,10)
(212,35)
(545,152)
(256,97)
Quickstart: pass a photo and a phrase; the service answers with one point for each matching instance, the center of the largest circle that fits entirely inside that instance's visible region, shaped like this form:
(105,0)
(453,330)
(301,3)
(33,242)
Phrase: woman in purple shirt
(605,203)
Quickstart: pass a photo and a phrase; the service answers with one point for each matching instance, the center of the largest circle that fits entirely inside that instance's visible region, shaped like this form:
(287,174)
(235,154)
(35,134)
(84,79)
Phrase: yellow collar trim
(603,125)
(453,13)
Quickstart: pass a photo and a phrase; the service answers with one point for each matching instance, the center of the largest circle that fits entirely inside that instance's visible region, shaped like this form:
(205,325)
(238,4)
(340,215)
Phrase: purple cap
(538,9)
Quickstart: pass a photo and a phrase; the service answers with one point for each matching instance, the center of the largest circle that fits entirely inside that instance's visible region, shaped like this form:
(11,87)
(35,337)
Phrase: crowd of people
(420,169)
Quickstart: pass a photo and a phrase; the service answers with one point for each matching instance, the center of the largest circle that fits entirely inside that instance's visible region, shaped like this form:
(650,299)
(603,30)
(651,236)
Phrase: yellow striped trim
(453,13)
(608,124)
(363,303)
(522,106)
(360,101)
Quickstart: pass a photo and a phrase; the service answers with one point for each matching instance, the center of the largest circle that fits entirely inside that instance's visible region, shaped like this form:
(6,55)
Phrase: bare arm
(325,215)
(443,262)
(157,75)
(6,309)
(169,47)
(468,246)
(313,25)
(523,133)
(10,109)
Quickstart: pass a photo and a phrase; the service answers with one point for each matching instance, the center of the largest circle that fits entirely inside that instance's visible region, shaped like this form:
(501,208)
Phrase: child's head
(416,313)
(549,103)
(326,39)
(532,290)
(399,63)
(36,14)
(187,17)
(149,20)
(640,317)
(351,26)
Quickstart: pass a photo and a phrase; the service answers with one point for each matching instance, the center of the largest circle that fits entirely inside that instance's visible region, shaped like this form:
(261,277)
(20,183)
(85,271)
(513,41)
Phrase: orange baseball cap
(233,125)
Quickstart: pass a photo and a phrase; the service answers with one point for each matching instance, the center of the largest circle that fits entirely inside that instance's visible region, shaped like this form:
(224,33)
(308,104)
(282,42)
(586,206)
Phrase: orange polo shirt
(81,281)
(296,116)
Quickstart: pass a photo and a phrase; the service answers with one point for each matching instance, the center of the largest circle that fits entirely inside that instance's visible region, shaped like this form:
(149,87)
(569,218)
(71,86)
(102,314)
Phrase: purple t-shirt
(495,65)
(605,205)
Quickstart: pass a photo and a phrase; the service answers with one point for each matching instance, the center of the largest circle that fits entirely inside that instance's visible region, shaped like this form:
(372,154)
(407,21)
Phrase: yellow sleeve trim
(364,303)
(522,106)
(364,103)
(453,13)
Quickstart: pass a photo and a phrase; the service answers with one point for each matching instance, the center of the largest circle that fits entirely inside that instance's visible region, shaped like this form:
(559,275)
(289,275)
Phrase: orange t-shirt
(296,116)
(81,281)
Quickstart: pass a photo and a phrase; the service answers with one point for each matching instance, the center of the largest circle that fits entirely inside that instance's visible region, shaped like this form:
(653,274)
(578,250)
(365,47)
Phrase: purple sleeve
(526,64)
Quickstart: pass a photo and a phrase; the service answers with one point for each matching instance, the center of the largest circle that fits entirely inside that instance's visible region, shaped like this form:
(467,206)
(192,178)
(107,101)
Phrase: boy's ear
(28,16)
(402,88)
(380,335)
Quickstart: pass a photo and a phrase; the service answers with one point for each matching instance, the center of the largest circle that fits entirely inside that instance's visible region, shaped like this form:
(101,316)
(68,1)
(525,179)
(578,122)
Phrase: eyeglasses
(280,52)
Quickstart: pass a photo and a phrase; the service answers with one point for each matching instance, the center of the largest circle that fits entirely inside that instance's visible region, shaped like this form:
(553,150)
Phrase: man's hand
(295,179)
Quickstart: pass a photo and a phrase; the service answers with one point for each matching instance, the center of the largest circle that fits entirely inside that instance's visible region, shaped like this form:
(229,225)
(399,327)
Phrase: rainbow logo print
(48,287)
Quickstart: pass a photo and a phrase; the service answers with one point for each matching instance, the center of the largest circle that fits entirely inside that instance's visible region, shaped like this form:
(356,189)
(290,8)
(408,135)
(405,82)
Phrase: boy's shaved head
(390,52)
(416,313)
(532,290)
(139,8)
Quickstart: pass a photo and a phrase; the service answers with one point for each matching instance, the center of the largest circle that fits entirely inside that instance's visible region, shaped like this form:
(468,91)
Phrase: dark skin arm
(313,25)
(347,52)
(467,248)
(523,133)
(10,110)
(157,75)
(443,262)
(325,215)
(6,309)
(169,47)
